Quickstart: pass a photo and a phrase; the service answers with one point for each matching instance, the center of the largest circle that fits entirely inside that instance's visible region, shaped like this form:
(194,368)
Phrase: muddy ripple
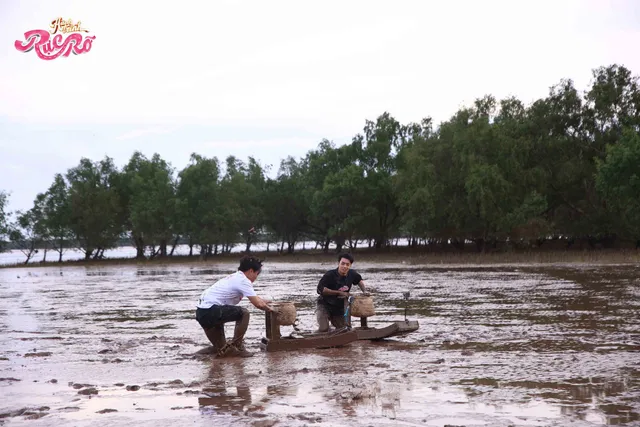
(499,346)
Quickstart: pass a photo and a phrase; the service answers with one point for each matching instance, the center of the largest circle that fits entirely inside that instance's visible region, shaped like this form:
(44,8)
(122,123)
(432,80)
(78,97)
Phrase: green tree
(29,230)
(243,198)
(96,211)
(148,195)
(4,219)
(343,200)
(200,212)
(376,152)
(286,208)
(317,166)
(618,180)
(57,213)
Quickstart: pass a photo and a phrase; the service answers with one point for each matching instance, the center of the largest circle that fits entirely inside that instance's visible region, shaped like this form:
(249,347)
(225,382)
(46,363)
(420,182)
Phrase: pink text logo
(62,39)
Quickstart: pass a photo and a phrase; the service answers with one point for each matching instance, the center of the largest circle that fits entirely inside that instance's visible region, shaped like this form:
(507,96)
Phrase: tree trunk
(44,256)
(173,247)
(325,247)
(139,247)
(60,250)
(139,242)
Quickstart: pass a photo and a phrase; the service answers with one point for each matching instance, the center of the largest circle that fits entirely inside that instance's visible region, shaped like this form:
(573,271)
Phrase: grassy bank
(397,255)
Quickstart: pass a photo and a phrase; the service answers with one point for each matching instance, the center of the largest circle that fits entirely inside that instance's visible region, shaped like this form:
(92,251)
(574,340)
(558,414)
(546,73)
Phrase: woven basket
(285,313)
(362,306)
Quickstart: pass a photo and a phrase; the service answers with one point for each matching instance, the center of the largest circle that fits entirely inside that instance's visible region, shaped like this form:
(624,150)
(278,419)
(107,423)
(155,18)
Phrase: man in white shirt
(219,304)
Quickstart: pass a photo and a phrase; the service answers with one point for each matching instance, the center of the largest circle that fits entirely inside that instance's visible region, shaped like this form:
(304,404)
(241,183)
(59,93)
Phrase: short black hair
(248,262)
(347,256)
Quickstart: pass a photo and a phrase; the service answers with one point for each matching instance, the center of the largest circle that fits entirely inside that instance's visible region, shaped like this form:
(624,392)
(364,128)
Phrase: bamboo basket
(362,306)
(285,313)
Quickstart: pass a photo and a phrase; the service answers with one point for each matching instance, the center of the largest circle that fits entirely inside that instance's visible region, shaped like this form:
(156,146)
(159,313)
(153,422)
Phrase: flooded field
(497,346)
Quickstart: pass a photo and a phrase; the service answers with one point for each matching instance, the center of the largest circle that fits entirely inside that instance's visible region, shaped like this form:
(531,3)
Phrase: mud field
(497,346)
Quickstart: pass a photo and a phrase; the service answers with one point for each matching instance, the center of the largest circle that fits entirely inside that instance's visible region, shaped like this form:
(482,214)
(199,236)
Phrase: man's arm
(362,285)
(323,290)
(327,291)
(358,281)
(259,303)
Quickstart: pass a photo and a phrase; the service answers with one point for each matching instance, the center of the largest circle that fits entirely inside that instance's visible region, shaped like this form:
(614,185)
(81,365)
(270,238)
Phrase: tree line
(498,173)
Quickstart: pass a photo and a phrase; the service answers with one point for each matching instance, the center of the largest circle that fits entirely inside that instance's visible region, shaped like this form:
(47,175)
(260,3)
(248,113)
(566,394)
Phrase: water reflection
(222,400)
(224,388)
(594,394)
(581,398)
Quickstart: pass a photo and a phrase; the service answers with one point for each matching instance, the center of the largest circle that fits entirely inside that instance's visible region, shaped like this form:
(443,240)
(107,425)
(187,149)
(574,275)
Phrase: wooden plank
(407,326)
(376,333)
(287,344)
(393,330)
(272,327)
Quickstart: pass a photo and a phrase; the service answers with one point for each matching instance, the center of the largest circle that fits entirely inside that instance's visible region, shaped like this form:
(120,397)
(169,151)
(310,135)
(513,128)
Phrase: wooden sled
(274,341)
(395,329)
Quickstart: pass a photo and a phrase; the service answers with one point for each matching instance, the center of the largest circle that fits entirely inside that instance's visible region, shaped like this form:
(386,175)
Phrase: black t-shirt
(334,281)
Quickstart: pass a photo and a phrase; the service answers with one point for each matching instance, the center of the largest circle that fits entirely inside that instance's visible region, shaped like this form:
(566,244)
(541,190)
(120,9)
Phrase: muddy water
(497,346)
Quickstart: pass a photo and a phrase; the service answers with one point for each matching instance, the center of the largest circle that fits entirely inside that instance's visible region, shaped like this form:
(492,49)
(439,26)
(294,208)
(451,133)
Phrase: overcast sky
(272,78)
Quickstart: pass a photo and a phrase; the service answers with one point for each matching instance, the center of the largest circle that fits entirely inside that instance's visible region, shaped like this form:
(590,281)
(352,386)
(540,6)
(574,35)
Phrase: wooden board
(407,326)
(376,333)
(318,341)
(393,330)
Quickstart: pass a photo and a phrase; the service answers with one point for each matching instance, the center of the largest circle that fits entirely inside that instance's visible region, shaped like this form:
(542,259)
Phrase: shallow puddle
(497,346)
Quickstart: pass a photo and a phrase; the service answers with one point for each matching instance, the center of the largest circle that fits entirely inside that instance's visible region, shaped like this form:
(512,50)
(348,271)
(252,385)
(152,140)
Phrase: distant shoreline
(409,256)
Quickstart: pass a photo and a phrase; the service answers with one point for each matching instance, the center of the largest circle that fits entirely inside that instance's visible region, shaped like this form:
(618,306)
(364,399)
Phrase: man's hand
(259,303)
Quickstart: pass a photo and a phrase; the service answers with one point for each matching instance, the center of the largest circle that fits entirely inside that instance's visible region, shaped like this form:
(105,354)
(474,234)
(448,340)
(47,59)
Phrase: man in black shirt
(332,289)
